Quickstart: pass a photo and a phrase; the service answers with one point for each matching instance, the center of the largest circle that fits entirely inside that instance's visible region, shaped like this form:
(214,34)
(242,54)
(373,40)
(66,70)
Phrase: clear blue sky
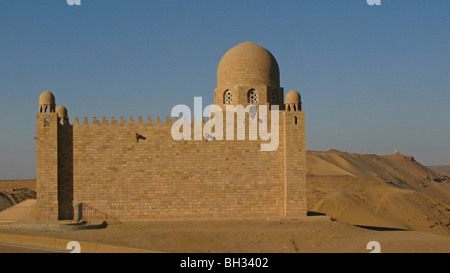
(372,78)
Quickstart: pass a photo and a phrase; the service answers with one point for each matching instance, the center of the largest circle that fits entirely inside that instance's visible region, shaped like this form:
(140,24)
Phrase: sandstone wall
(102,164)
(161,177)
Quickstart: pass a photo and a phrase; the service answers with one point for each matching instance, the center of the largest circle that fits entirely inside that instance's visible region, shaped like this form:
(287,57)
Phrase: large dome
(248,64)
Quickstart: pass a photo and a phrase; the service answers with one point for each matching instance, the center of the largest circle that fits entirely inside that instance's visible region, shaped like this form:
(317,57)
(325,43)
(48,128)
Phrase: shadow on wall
(65,172)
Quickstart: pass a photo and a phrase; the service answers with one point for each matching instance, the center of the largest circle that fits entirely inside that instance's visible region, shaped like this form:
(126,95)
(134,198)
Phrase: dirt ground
(20,249)
(312,235)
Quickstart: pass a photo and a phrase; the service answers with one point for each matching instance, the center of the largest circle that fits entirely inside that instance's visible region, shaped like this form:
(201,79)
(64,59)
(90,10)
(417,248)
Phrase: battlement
(123,121)
(149,121)
(231,125)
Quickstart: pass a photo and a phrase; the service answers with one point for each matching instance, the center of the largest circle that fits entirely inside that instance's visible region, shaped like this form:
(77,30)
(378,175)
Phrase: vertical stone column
(295,164)
(47,166)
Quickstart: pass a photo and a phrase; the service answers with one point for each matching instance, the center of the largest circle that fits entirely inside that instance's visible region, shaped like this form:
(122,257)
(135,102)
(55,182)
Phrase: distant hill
(17,184)
(441,169)
(391,191)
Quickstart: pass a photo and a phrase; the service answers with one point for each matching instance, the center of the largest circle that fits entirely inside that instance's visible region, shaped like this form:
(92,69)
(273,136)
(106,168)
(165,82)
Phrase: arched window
(295,120)
(227,97)
(252,96)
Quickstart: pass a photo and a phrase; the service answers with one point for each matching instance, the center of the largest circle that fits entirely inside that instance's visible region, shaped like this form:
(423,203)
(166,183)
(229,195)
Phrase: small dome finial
(62,113)
(293,101)
(293,97)
(46,102)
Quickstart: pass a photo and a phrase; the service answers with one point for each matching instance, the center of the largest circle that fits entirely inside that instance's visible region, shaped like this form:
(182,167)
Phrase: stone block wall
(102,164)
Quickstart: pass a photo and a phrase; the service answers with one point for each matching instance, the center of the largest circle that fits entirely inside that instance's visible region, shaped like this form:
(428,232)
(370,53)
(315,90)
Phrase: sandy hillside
(391,191)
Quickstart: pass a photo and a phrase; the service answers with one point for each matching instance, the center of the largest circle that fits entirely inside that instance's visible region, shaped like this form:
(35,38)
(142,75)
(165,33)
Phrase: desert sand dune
(387,191)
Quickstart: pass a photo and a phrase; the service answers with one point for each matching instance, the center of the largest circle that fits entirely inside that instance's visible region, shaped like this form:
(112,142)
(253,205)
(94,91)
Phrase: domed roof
(47,98)
(292,97)
(61,111)
(248,64)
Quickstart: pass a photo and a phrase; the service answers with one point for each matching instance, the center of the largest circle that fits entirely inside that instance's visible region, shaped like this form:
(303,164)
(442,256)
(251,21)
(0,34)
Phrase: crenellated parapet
(122,121)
